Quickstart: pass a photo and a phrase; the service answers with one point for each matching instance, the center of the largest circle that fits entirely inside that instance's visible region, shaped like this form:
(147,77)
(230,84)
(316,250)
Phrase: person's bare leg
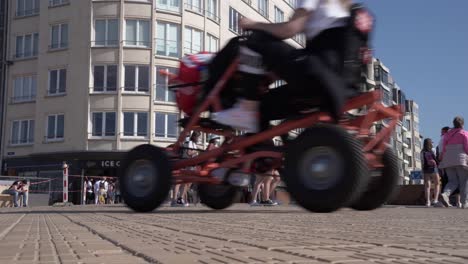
(184,195)
(266,188)
(458,197)
(274,183)
(427,189)
(256,188)
(175,193)
(435,179)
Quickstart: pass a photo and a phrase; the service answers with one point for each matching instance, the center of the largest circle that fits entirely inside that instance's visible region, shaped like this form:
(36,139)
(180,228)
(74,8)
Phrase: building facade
(3,60)
(89,77)
(406,139)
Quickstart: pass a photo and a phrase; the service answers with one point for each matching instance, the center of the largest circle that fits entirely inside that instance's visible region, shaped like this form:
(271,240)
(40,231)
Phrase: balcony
(23,99)
(26,13)
(56,3)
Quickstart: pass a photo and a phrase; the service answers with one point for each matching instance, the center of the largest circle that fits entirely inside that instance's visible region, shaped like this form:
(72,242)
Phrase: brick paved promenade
(284,234)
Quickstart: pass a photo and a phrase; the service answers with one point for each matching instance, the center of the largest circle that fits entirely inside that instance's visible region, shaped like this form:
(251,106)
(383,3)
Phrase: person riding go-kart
(327,166)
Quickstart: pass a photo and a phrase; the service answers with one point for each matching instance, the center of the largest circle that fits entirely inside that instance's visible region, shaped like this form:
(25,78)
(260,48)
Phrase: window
(386,97)
(103,124)
(27,7)
(162,92)
(137,33)
(300,39)
(292,3)
(212,10)
(168,5)
(166,125)
(167,41)
(234,17)
(279,15)
(136,78)
(193,40)
(27,46)
(194,5)
(105,78)
(135,124)
(25,89)
(22,132)
(106,32)
(263,7)
(57,81)
(212,44)
(59,36)
(55,127)
(384,76)
(58,2)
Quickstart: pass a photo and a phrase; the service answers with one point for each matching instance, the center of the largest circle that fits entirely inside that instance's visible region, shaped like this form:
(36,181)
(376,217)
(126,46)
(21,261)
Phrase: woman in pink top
(454,159)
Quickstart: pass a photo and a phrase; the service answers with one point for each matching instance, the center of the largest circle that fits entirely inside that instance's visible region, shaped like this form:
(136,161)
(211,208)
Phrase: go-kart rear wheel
(145,178)
(219,196)
(382,186)
(325,168)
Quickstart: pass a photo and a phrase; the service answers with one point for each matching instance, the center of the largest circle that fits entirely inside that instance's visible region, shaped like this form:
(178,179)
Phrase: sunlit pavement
(240,234)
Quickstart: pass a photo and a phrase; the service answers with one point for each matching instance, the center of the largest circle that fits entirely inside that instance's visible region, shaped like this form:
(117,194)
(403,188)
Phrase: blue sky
(424,43)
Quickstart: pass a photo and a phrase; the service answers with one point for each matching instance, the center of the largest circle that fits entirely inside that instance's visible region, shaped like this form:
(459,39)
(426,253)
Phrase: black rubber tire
(218,197)
(154,192)
(349,181)
(381,188)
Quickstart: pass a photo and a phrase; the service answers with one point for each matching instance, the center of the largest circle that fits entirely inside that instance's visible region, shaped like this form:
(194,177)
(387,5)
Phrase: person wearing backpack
(337,34)
(429,165)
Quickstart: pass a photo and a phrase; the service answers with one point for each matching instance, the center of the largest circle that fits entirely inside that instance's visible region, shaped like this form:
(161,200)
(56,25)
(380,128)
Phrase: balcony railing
(169,48)
(23,99)
(29,12)
(137,43)
(21,141)
(193,8)
(105,43)
(54,3)
(212,16)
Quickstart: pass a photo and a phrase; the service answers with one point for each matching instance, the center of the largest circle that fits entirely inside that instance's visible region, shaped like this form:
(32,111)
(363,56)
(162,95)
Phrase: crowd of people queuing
(260,192)
(447,167)
(102,190)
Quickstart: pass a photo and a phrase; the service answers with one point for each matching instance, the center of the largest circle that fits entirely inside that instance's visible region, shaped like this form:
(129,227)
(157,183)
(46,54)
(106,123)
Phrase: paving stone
(241,234)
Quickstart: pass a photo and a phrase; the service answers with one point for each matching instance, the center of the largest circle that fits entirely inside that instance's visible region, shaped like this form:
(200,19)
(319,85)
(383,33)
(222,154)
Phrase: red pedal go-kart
(326,167)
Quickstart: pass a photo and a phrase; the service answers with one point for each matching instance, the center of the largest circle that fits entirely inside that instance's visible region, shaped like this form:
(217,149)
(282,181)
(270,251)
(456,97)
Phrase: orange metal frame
(234,151)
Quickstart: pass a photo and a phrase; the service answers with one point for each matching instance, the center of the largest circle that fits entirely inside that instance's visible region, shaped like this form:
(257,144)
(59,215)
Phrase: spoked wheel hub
(320,168)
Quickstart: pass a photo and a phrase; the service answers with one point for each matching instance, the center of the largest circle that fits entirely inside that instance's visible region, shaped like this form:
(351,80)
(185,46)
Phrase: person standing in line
(429,164)
(454,159)
(96,191)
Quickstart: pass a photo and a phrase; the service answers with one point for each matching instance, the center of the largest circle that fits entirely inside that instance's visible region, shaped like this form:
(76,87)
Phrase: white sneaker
(254,203)
(243,115)
(446,200)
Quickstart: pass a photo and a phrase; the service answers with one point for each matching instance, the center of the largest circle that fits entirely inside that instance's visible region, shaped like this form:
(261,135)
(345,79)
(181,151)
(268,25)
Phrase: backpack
(358,52)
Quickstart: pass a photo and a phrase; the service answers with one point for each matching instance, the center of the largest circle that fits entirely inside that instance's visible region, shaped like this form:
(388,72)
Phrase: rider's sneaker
(268,203)
(243,115)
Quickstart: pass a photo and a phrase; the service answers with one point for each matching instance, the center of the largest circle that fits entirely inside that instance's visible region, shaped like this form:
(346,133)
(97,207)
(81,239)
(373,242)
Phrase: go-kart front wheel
(325,168)
(382,185)
(145,178)
(218,197)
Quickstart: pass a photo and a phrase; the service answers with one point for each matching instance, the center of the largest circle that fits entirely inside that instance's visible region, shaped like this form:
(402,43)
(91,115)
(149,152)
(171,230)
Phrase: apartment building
(406,139)
(86,81)
(3,59)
